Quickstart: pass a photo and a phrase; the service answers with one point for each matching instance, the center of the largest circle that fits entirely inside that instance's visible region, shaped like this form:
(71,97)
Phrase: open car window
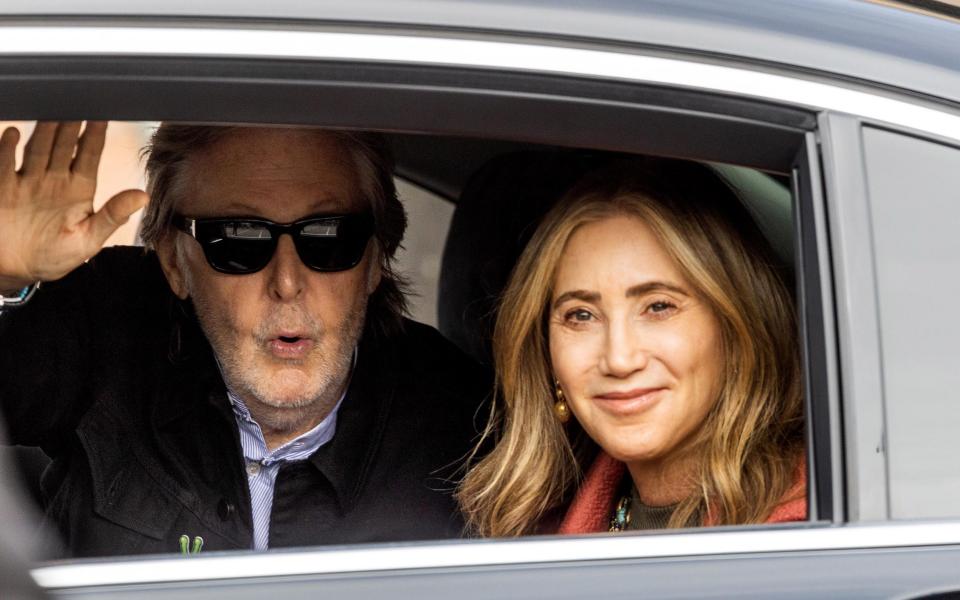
(463,245)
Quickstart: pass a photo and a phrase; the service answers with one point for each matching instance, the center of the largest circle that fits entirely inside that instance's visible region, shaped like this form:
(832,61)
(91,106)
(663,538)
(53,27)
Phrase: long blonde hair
(750,442)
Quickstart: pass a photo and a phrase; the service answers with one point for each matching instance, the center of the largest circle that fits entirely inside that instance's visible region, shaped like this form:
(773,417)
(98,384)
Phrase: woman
(647,337)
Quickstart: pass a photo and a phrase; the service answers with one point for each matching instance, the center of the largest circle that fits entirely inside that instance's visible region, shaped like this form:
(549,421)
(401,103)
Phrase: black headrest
(499,209)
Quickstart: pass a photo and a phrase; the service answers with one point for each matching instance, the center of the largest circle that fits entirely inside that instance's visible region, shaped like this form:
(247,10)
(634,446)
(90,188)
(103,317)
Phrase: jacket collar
(346,459)
(591,507)
(595,498)
(191,376)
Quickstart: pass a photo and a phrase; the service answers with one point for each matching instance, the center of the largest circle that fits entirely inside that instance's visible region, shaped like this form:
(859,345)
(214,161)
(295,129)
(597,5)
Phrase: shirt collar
(299,448)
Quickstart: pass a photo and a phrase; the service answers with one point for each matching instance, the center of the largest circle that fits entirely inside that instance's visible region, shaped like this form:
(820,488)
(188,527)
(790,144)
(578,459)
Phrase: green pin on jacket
(185,548)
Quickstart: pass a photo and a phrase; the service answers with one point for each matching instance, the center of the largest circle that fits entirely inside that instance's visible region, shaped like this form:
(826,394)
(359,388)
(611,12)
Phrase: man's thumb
(115,213)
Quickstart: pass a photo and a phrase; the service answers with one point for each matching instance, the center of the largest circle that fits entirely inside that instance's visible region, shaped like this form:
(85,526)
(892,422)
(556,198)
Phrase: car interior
(500,190)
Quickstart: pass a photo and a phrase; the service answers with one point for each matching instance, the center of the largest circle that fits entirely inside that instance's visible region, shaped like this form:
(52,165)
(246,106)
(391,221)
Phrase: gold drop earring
(560,407)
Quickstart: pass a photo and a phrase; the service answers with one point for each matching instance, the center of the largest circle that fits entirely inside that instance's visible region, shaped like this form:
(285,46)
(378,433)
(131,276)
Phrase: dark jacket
(110,375)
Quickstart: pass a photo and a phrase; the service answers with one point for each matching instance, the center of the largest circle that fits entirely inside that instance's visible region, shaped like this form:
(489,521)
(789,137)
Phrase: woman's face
(637,354)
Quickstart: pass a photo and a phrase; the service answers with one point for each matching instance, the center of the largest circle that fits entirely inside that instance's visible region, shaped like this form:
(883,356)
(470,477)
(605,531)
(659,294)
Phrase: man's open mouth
(289,346)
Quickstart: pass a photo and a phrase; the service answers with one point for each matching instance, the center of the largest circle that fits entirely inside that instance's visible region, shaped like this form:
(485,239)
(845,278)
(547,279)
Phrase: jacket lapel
(346,460)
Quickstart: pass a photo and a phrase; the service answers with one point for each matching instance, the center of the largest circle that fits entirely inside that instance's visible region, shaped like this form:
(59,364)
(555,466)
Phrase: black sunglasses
(239,245)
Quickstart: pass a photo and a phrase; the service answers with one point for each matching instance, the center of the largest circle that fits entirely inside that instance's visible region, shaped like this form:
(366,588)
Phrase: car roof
(870,41)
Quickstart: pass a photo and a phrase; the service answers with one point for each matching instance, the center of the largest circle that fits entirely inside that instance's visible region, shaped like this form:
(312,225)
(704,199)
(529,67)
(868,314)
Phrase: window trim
(815,316)
(520,56)
(487,553)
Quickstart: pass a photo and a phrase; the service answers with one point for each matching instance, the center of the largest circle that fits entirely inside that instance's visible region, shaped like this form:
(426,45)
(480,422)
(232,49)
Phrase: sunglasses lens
(324,244)
(236,246)
(334,244)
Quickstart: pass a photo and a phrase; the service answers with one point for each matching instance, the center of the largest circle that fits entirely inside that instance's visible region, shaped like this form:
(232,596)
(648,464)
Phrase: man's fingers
(115,213)
(8,150)
(64,143)
(90,149)
(36,154)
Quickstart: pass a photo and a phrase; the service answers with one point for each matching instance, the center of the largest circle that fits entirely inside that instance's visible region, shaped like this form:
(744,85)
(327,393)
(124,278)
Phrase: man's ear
(170,263)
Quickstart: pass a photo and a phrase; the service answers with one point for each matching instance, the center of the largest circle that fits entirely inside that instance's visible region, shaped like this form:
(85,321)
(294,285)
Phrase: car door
(878,526)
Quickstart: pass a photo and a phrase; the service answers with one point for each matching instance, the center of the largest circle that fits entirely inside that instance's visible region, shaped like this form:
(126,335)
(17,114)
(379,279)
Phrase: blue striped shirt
(263,465)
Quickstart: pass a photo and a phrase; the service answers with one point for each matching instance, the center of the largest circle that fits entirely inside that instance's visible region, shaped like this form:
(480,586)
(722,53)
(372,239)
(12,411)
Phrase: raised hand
(47,223)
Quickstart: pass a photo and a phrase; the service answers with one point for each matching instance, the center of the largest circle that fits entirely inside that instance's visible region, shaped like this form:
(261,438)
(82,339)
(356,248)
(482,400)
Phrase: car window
(766,199)
(428,219)
(914,211)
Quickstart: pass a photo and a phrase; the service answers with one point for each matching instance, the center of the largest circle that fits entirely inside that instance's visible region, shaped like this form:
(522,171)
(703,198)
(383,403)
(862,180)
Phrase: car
(849,109)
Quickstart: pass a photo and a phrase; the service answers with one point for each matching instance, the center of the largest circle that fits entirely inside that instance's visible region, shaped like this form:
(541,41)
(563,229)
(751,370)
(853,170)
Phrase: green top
(643,516)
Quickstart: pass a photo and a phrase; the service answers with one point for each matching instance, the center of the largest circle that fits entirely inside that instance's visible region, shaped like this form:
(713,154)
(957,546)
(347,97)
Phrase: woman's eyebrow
(638,290)
(583,295)
(654,286)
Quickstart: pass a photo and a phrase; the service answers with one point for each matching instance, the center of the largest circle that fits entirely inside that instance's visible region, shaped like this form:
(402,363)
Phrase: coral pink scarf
(592,506)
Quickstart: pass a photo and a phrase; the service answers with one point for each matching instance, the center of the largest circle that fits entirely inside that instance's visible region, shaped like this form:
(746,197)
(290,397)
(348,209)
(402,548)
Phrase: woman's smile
(629,402)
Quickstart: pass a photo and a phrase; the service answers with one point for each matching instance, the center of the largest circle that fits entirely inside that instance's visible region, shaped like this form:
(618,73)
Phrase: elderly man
(249,380)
